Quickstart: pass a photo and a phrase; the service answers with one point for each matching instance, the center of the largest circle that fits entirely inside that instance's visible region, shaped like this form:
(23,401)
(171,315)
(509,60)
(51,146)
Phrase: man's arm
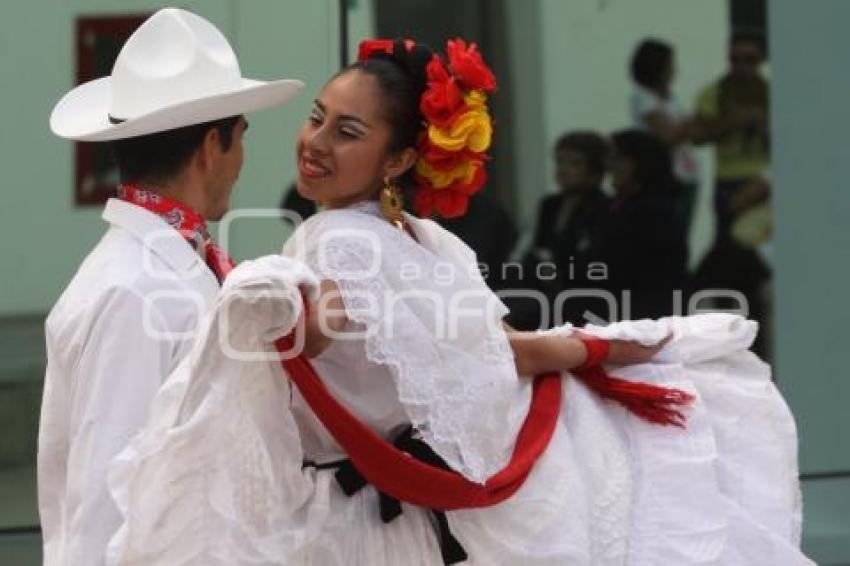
(124,360)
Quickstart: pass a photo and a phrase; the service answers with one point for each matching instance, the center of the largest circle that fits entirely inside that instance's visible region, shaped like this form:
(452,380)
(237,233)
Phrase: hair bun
(410,56)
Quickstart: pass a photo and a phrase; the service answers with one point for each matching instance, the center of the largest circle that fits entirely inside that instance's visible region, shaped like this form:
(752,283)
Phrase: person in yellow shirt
(732,115)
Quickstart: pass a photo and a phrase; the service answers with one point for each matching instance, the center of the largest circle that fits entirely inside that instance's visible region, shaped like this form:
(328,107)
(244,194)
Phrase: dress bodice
(431,350)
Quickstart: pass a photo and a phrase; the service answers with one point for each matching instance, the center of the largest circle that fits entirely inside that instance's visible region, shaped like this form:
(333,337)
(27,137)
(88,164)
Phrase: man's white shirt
(121,326)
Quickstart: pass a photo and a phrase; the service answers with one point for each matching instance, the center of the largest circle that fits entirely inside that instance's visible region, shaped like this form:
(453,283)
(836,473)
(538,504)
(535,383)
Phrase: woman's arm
(536,353)
(541,353)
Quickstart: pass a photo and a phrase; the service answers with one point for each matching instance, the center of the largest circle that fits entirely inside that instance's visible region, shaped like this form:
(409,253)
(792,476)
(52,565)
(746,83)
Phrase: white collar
(156,235)
(426,234)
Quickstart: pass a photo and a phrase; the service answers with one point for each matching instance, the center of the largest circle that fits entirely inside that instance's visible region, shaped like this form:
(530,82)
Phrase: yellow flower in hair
(472,129)
(475,99)
(442,179)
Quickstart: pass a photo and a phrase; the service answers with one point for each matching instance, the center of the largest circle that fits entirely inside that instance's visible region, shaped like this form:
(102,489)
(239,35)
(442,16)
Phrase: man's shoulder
(120,273)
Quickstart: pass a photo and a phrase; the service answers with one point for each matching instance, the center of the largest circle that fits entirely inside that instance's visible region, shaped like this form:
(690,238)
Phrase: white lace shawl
(430,318)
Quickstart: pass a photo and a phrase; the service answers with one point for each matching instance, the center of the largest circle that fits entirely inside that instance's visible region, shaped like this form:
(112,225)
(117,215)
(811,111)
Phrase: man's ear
(209,149)
(398,164)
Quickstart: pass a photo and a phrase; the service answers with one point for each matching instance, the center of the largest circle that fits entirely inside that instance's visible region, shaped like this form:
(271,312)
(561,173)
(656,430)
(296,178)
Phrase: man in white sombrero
(172,111)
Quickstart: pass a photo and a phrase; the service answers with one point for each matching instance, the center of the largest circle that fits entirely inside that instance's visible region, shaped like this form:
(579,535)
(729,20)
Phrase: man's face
(226,172)
(745,58)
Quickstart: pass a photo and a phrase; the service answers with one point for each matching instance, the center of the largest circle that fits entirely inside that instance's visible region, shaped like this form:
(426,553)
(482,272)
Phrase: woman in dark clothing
(645,247)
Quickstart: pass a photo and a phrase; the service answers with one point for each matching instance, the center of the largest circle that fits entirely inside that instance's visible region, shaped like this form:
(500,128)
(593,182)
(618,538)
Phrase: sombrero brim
(83,113)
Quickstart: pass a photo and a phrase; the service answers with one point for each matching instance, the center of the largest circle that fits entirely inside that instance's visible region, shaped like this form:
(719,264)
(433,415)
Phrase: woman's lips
(312,169)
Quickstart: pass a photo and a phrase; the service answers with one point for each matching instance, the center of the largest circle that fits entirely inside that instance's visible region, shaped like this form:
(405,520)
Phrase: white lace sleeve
(434,323)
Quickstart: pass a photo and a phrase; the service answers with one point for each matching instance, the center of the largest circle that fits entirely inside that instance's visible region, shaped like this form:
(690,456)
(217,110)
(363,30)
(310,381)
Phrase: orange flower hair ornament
(458,127)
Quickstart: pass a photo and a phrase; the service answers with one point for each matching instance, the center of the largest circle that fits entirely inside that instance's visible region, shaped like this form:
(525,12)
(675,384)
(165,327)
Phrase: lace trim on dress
(428,316)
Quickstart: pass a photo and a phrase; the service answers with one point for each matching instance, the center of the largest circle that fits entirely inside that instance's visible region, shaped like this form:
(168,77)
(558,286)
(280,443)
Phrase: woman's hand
(627,352)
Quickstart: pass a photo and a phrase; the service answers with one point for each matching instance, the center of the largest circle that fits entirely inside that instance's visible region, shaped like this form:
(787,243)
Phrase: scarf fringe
(653,403)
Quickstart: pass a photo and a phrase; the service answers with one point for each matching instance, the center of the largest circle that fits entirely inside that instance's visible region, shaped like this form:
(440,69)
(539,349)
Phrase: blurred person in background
(490,231)
(570,224)
(644,245)
(655,109)
(733,116)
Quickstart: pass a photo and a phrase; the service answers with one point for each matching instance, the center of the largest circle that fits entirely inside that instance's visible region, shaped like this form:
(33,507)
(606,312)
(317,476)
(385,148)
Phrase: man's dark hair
(593,147)
(650,61)
(158,157)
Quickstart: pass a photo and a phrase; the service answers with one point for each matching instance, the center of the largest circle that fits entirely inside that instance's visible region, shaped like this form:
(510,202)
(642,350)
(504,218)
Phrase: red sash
(407,479)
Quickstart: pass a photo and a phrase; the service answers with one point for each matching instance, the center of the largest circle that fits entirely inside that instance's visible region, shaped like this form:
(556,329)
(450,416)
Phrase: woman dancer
(240,466)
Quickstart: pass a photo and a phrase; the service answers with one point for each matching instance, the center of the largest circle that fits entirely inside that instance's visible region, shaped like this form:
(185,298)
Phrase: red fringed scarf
(189,223)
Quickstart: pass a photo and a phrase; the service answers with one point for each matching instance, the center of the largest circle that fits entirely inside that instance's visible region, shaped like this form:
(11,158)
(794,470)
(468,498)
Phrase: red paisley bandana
(189,223)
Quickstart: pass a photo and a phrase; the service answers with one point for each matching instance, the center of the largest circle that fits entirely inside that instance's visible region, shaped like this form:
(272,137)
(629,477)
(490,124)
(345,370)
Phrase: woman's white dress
(216,477)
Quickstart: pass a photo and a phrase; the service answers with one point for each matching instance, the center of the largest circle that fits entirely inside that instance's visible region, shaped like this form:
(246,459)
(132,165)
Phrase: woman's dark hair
(401,79)
(156,158)
(651,60)
(590,145)
(652,158)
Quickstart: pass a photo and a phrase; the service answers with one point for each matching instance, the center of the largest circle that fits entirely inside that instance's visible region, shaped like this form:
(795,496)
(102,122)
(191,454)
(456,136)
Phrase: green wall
(811,122)
(44,235)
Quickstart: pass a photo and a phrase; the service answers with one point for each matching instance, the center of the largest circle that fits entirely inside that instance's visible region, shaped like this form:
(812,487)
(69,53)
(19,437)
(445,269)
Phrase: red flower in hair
(469,67)
(442,101)
(451,201)
(477,182)
(369,47)
(448,204)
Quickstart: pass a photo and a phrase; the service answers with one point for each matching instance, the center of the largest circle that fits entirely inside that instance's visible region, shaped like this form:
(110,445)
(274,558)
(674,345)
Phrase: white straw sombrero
(177,69)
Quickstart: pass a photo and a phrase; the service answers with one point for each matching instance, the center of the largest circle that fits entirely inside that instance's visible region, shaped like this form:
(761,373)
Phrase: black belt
(351,481)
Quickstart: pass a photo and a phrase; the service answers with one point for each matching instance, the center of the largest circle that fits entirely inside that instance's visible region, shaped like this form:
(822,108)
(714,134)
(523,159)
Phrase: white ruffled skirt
(216,478)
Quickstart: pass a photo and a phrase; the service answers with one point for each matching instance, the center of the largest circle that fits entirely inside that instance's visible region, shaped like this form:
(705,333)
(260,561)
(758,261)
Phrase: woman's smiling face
(342,148)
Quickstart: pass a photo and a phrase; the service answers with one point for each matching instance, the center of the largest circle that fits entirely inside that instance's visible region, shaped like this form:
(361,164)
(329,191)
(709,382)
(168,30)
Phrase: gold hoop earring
(392,203)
